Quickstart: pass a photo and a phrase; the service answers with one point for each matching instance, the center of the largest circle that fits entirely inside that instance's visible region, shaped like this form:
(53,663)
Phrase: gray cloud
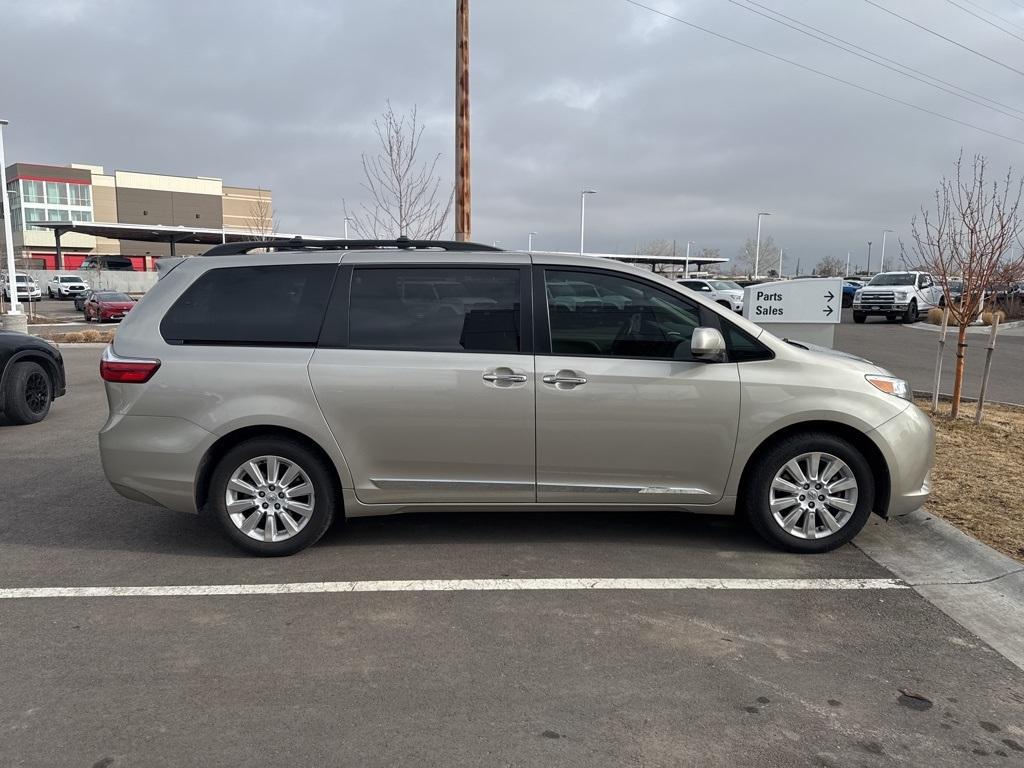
(684,136)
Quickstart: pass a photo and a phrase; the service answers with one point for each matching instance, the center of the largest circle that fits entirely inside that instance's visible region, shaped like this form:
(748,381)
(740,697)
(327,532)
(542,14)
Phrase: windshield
(69,279)
(21,278)
(725,285)
(113,297)
(893,278)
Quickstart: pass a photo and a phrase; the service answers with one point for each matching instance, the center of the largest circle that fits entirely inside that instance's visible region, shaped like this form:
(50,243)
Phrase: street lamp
(529,248)
(15,308)
(881,266)
(583,212)
(757,248)
(347,220)
(686,269)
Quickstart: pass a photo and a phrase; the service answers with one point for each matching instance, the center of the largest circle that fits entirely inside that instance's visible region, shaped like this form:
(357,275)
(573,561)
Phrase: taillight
(126,370)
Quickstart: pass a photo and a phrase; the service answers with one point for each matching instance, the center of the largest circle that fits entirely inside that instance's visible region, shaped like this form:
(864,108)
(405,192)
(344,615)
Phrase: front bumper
(908,443)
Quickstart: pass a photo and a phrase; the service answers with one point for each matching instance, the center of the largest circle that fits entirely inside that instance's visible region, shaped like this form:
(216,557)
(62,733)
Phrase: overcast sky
(684,135)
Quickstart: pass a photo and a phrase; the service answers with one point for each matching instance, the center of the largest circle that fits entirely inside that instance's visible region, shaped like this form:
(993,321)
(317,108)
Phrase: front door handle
(565,379)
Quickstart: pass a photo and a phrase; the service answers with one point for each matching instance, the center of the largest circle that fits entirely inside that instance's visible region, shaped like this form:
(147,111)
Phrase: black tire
(911,315)
(859,317)
(847,301)
(28,393)
(757,486)
(321,477)
(49,292)
(724,304)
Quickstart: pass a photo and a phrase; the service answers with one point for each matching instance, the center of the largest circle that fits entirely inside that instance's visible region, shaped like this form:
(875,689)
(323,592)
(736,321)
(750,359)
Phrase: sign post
(806,309)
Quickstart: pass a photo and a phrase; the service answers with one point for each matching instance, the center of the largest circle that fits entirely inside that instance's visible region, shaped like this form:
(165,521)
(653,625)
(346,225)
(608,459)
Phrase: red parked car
(107,305)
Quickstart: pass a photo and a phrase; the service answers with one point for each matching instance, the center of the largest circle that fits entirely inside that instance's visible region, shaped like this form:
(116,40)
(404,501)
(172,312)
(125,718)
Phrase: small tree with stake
(968,236)
(406,196)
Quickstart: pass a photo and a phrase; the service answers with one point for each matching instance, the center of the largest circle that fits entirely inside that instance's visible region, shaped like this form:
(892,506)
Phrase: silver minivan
(278,390)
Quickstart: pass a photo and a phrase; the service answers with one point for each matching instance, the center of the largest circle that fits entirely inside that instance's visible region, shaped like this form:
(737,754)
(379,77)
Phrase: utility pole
(463,219)
(869,259)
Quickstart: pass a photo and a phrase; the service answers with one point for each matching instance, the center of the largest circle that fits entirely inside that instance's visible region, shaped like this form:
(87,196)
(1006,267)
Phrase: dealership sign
(807,300)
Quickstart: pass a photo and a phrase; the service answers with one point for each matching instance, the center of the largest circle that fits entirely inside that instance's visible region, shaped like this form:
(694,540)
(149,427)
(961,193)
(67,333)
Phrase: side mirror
(708,344)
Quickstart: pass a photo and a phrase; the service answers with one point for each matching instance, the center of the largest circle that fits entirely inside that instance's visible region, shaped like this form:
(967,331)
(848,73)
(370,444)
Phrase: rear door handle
(565,379)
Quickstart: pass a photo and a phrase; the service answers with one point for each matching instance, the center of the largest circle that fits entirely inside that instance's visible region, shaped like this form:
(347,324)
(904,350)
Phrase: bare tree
(831,266)
(406,196)
(968,236)
(261,222)
(747,255)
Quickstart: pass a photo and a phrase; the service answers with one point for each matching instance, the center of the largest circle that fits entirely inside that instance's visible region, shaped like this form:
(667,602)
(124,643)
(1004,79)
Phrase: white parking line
(451,585)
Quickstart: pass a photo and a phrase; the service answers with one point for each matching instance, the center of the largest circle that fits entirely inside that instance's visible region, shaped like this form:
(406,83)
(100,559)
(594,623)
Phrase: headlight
(901,295)
(890,385)
(857,293)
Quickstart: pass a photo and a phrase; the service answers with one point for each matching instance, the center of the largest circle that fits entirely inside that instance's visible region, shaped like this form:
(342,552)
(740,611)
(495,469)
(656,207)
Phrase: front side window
(261,305)
(440,309)
(630,319)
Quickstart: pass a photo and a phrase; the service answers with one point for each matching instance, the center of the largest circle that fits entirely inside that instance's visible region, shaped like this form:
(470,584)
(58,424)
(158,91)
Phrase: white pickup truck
(896,294)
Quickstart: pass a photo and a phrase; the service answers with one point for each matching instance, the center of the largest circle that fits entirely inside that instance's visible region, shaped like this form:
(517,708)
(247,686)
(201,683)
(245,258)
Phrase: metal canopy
(159,233)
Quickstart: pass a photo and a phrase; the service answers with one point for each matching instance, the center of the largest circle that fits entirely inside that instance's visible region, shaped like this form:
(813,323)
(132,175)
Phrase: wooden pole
(988,365)
(938,361)
(463,219)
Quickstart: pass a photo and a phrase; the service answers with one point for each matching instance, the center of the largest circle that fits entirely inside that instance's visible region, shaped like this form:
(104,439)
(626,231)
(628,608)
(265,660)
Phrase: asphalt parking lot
(851,676)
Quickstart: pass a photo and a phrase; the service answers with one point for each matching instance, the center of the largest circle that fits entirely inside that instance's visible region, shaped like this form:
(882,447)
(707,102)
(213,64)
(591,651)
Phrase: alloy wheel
(270,498)
(813,495)
(37,392)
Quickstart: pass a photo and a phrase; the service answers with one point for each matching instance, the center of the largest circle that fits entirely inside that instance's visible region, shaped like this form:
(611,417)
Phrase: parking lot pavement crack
(989,580)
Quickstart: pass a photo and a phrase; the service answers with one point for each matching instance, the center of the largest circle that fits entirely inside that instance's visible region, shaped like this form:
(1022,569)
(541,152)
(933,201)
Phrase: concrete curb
(945,398)
(82,344)
(979,588)
(974,329)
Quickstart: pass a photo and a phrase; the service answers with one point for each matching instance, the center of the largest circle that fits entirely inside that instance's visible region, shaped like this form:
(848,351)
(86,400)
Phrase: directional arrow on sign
(830,296)
(828,310)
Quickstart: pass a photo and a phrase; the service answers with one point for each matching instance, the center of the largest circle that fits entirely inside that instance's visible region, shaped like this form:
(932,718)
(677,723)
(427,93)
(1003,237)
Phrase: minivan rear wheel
(272,496)
(809,493)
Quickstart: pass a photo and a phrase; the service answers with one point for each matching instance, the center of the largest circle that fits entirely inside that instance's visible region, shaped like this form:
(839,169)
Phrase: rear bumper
(154,459)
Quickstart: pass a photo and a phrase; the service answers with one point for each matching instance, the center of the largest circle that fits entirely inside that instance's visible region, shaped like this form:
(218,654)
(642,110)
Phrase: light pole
(529,247)
(347,220)
(583,212)
(847,263)
(757,248)
(686,269)
(868,270)
(15,308)
(881,266)
(781,251)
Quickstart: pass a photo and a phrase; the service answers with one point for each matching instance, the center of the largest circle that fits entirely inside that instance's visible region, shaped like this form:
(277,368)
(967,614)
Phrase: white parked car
(65,287)
(724,292)
(28,290)
(897,294)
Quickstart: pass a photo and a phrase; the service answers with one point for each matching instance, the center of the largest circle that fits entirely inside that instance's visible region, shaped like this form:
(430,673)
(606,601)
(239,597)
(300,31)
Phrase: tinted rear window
(272,305)
(448,309)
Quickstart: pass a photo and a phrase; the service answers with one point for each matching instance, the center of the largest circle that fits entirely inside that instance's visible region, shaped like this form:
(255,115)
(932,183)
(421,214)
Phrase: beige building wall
(104,209)
(248,209)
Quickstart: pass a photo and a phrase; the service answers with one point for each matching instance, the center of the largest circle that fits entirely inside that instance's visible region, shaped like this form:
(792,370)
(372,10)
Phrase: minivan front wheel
(272,496)
(810,493)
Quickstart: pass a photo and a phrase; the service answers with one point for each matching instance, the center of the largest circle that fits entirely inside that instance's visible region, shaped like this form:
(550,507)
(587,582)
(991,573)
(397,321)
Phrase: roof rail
(298,244)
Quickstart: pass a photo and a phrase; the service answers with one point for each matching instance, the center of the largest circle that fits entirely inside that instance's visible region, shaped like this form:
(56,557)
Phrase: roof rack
(299,244)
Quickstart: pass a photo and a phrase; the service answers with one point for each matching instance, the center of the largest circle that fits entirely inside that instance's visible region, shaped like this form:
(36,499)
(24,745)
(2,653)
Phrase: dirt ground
(978,480)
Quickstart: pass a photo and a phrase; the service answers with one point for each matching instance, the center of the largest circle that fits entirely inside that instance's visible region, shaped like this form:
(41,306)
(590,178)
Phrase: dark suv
(31,376)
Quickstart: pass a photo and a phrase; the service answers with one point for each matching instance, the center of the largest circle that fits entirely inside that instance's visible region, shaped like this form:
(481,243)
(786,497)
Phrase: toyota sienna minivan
(279,390)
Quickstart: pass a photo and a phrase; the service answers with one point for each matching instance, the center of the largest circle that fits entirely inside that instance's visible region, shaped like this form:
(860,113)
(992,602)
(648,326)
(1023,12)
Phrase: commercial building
(85,193)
